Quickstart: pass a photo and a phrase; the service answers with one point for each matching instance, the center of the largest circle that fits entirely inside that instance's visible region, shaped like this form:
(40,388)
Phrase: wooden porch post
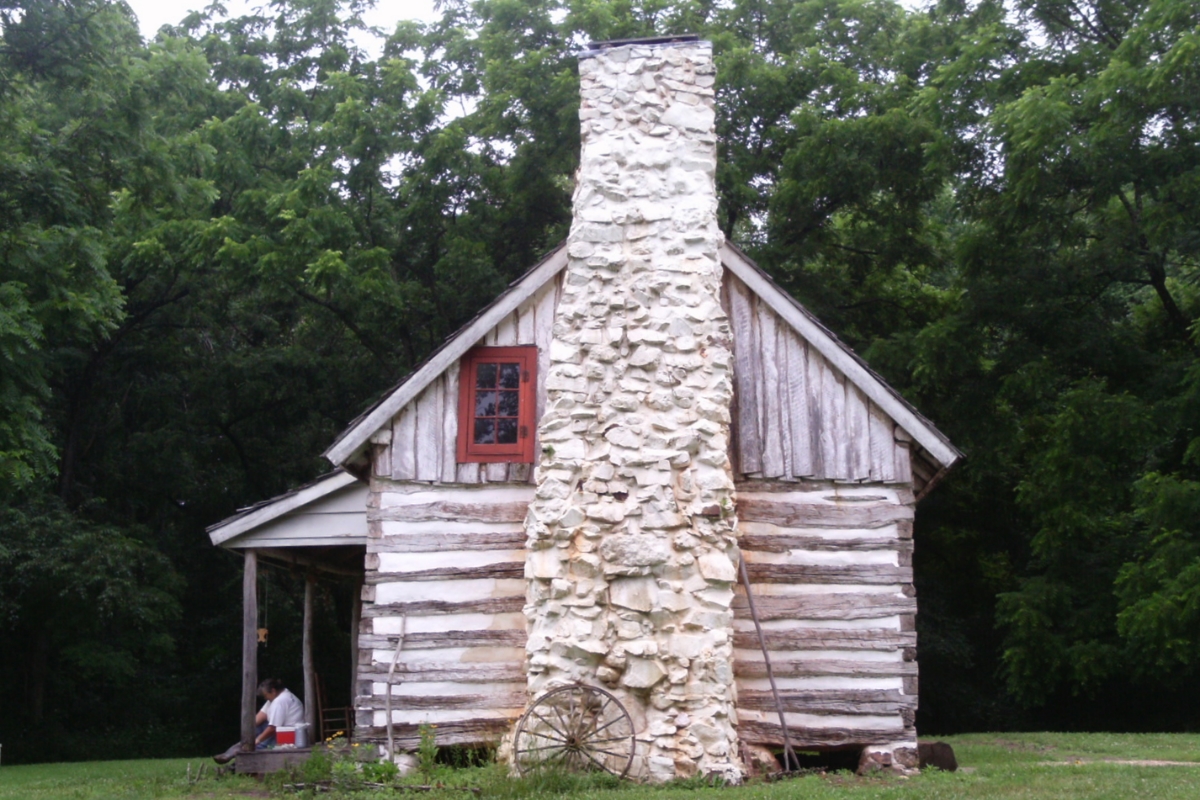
(355,624)
(310,677)
(249,647)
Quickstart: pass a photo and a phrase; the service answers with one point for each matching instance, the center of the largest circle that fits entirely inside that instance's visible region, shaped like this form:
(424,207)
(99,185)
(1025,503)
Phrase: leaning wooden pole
(310,676)
(249,647)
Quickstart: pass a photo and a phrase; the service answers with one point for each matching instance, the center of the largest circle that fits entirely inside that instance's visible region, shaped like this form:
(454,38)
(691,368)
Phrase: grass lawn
(1037,766)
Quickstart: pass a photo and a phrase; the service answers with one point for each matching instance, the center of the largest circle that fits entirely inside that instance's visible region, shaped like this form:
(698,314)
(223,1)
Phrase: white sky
(153,14)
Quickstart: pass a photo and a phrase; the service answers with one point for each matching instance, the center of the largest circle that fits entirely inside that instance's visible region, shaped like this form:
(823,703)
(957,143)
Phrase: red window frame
(522,450)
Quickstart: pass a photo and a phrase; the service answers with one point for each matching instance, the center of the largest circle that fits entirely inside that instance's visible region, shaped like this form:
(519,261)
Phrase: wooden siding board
(770,402)
(404,445)
(429,432)
(749,441)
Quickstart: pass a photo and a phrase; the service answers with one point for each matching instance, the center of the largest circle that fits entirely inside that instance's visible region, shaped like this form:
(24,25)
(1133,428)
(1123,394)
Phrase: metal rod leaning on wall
(789,756)
(387,701)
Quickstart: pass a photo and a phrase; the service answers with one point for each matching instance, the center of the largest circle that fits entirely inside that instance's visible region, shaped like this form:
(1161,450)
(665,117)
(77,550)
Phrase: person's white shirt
(285,711)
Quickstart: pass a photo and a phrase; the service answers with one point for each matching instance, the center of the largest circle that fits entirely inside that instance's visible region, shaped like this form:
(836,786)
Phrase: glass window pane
(485,431)
(510,376)
(485,376)
(507,431)
(485,404)
(510,402)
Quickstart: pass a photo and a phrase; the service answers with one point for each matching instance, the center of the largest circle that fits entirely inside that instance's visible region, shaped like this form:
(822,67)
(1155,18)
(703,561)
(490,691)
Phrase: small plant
(427,750)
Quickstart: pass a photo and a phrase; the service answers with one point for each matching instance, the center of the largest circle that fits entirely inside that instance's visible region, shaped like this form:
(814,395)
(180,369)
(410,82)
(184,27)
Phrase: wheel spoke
(550,724)
(608,724)
(624,738)
(544,736)
(594,761)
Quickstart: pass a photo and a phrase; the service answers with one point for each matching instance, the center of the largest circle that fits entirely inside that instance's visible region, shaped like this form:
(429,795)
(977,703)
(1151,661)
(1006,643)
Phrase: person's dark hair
(271,684)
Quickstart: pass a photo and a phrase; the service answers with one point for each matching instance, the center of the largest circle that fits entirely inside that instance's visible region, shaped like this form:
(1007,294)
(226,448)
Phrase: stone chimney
(632,549)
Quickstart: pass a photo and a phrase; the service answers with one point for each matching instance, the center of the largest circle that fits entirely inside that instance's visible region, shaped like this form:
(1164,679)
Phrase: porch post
(355,624)
(310,677)
(249,647)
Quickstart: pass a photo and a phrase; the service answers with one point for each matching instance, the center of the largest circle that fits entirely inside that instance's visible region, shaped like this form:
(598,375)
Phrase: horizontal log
(805,668)
(783,542)
(818,706)
(467,732)
(452,672)
(848,605)
(438,639)
(827,639)
(866,574)
(505,569)
(447,542)
(840,515)
(769,733)
(450,511)
(492,605)
(498,699)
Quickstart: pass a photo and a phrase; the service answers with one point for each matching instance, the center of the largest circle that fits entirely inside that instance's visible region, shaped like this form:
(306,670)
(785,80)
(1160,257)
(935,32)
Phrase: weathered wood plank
(450,542)
(526,315)
(744,353)
(837,605)
(451,511)
(429,432)
(509,700)
(903,463)
(404,445)
(812,515)
(433,640)
(433,672)
(263,762)
(785,542)
(492,605)
(768,733)
(858,443)
(866,574)
(797,410)
(815,703)
(882,443)
(834,434)
(806,668)
(506,331)
(816,421)
(468,473)
(881,639)
(509,569)
(249,646)
(450,424)
(772,423)
(496,472)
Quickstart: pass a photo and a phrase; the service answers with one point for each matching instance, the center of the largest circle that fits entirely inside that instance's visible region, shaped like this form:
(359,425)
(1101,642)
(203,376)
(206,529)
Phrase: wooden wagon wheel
(577,728)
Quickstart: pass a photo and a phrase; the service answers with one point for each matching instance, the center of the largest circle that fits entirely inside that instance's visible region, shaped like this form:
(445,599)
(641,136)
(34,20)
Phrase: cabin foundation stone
(631,535)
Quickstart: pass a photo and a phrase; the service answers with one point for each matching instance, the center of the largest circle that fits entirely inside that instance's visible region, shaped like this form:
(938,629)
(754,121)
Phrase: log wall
(423,436)
(830,567)
(445,568)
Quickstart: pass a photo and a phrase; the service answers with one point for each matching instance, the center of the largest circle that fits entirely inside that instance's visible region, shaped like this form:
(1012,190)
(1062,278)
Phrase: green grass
(1027,766)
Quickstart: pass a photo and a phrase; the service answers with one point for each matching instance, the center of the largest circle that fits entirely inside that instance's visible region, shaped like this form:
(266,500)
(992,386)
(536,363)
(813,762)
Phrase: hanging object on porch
(262,635)
(580,728)
(266,610)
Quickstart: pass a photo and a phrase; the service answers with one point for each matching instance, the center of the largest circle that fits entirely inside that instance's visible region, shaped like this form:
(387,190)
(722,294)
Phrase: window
(496,404)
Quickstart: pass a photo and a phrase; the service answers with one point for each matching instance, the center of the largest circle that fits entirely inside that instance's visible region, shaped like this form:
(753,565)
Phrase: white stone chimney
(632,550)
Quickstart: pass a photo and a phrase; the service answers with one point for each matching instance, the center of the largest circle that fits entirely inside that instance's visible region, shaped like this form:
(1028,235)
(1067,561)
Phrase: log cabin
(643,468)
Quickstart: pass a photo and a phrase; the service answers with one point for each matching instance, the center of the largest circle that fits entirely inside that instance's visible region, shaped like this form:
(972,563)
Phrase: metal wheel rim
(578,727)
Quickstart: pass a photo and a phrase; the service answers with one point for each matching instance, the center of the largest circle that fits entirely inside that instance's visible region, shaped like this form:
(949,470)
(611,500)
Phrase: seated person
(281,709)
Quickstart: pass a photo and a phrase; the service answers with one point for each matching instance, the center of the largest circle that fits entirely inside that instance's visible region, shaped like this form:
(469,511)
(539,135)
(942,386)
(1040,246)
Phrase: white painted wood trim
(839,356)
(224,531)
(358,434)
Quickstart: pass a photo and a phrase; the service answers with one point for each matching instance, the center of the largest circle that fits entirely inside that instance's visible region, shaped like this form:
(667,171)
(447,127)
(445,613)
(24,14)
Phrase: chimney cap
(593,48)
